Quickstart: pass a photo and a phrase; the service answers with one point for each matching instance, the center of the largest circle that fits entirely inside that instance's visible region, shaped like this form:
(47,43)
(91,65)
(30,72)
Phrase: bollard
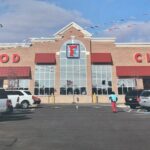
(53,98)
(94,98)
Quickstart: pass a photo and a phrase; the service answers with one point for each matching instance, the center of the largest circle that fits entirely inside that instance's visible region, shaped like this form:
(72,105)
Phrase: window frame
(71,74)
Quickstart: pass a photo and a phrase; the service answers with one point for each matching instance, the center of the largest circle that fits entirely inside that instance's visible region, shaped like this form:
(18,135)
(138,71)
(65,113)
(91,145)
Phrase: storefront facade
(73,64)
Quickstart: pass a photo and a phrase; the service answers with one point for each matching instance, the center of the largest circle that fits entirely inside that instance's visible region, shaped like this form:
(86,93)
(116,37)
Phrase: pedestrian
(114,100)
(77,106)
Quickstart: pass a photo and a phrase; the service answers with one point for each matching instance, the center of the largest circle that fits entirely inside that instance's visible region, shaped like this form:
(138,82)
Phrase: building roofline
(72,24)
(101,39)
(42,39)
(9,45)
(142,44)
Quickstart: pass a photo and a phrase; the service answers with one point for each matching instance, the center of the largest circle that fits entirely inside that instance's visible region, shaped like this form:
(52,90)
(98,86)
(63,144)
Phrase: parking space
(18,114)
(100,107)
(137,111)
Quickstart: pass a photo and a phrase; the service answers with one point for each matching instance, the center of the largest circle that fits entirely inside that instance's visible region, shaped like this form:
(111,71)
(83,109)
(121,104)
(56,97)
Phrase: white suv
(21,98)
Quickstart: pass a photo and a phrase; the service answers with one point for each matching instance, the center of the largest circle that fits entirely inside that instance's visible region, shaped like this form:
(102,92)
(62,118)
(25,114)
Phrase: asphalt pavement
(63,127)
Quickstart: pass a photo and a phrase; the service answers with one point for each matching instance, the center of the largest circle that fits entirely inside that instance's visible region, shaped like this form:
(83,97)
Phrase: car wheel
(24,105)
(132,106)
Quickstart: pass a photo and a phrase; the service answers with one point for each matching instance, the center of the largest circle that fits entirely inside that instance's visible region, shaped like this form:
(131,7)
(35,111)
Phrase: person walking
(77,103)
(113,99)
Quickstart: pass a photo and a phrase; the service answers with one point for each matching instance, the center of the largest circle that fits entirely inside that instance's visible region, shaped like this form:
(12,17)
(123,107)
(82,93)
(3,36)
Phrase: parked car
(132,98)
(22,98)
(5,103)
(145,99)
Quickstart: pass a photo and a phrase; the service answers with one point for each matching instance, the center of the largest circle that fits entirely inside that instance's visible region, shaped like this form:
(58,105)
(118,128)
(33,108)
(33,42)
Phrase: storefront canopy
(132,71)
(15,72)
(45,58)
(104,58)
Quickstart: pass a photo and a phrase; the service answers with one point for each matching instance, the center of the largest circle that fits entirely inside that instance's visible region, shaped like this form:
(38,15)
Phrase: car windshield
(28,92)
(146,94)
(134,93)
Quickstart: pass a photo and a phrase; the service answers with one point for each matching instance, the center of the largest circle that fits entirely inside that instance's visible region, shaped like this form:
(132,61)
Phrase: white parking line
(97,107)
(143,113)
(122,106)
(57,107)
(129,110)
(138,110)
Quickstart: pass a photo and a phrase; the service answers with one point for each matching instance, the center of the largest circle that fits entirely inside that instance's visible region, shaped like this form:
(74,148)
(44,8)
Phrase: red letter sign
(138,57)
(4,58)
(73,51)
(72,47)
(15,58)
(148,57)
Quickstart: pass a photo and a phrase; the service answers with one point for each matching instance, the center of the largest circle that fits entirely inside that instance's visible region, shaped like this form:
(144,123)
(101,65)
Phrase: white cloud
(131,31)
(33,18)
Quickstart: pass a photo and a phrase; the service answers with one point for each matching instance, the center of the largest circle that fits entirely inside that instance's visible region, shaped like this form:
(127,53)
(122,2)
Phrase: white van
(5,103)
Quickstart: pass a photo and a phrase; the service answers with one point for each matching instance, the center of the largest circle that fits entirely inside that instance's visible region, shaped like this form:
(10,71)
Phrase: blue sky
(127,20)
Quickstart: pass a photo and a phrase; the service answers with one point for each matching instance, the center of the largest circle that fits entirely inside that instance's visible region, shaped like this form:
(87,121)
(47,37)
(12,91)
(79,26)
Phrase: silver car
(145,99)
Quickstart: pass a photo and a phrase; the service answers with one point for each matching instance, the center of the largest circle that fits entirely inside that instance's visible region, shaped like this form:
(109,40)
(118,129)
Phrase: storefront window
(125,85)
(44,79)
(101,79)
(20,84)
(73,70)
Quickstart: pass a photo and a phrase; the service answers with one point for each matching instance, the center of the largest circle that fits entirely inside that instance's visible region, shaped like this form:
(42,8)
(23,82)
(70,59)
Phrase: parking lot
(63,127)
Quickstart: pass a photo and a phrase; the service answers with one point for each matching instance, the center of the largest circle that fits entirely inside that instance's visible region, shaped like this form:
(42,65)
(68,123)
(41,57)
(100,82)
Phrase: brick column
(57,74)
(139,82)
(32,80)
(89,75)
(114,80)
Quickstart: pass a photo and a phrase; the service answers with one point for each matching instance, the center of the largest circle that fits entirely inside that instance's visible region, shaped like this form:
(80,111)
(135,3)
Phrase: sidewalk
(88,104)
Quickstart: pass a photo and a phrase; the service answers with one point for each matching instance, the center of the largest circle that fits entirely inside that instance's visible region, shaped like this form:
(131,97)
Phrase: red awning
(15,72)
(135,71)
(45,58)
(101,58)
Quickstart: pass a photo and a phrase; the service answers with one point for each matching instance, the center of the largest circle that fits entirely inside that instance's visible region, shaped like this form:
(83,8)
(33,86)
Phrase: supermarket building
(74,64)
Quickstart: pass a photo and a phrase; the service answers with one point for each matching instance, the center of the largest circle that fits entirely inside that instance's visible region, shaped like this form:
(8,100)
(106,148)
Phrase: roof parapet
(9,45)
(144,44)
(42,39)
(105,39)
